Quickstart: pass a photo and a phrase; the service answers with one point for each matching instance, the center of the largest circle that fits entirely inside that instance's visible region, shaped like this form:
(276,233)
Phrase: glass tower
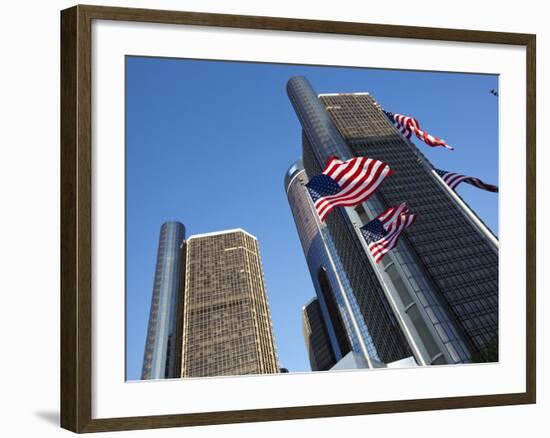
(436,294)
(162,354)
(345,325)
(319,350)
(227,327)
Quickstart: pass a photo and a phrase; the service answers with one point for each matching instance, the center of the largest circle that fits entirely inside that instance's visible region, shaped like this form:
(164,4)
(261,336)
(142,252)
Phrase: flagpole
(468,211)
(404,327)
(355,325)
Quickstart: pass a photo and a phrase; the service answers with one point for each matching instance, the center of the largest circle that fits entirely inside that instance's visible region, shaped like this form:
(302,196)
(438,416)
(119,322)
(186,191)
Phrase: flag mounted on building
(382,233)
(346,183)
(409,125)
(454,179)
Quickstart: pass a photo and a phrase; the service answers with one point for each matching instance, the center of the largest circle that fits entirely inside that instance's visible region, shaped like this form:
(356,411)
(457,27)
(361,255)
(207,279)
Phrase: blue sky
(208,143)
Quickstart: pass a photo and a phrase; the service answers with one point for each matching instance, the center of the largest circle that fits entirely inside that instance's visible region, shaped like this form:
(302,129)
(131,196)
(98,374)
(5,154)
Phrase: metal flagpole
(399,316)
(354,323)
(400,319)
(467,211)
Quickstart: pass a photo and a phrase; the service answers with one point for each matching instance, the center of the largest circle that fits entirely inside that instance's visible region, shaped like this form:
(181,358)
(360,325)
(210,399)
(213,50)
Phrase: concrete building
(227,327)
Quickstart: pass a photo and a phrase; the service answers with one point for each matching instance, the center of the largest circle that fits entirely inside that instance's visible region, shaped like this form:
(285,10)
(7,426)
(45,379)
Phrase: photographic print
(343,224)
(286,218)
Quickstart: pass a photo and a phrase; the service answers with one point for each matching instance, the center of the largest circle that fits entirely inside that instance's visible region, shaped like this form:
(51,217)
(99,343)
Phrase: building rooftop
(362,93)
(215,233)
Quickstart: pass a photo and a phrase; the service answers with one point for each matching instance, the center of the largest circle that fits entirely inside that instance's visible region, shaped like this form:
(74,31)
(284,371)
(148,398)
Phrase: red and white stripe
(392,213)
(379,248)
(407,124)
(454,179)
(358,177)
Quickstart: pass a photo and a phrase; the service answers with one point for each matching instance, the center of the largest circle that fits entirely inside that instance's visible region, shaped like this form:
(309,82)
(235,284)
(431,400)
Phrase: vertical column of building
(162,353)
(227,327)
(180,304)
(261,315)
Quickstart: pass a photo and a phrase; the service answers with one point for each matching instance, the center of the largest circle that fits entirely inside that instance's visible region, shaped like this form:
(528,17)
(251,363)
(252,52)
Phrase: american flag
(382,233)
(408,125)
(346,183)
(454,179)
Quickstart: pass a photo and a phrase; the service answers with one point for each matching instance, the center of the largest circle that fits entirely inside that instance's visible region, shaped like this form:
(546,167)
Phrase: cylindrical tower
(162,356)
(317,125)
(332,288)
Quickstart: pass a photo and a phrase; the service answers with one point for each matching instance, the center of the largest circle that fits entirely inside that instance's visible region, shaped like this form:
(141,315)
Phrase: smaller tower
(162,356)
(320,353)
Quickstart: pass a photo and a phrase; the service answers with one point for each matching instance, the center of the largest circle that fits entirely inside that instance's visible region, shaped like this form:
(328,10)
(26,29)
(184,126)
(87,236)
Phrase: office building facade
(162,355)
(227,327)
(435,296)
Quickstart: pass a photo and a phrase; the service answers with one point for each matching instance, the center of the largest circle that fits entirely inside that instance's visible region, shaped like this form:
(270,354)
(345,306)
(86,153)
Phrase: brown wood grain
(76,222)
(531,217)
(69,329)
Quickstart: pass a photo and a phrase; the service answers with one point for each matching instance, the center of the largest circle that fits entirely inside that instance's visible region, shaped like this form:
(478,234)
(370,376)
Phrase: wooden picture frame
(76,217)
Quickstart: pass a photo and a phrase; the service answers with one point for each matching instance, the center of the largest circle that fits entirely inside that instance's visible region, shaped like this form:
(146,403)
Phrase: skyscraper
(227,326)
(319,350)
(342,317)
(162,356)
(436,294)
